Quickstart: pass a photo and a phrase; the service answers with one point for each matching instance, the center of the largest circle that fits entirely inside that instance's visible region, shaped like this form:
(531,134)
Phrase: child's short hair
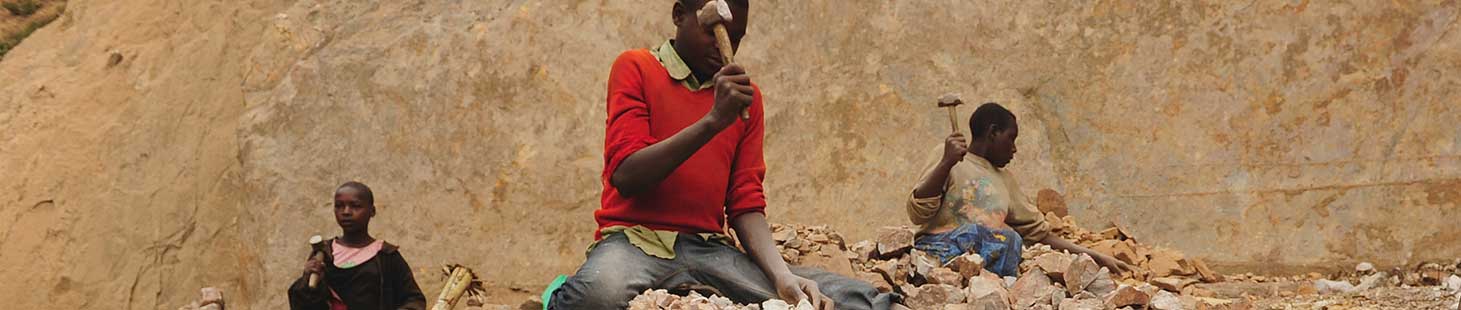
(365,194)
(698,3)
(987,114)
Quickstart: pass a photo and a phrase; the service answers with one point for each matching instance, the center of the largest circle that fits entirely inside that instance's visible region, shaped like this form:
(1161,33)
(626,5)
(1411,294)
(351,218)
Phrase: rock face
(216,139)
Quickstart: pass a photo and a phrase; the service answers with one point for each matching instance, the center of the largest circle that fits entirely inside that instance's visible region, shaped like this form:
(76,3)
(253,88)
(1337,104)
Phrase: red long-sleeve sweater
(722,180)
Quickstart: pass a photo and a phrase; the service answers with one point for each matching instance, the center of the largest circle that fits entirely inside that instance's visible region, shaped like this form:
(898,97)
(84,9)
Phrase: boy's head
(696,42)
(995,128)
(354,206)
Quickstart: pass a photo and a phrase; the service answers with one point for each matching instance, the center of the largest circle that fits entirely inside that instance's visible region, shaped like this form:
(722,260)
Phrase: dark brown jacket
(384,282)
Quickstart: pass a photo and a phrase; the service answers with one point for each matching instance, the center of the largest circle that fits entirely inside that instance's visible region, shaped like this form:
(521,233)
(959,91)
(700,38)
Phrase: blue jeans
(1000,248)
(616,271)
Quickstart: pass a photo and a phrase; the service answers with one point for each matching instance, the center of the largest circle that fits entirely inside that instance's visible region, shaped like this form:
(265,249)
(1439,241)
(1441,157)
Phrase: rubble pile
(1049,279)
(663,300)
(1152,263)
(1365,277)
(1162,279)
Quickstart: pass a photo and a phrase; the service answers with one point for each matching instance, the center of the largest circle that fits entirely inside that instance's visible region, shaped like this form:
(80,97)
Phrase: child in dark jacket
(358,272)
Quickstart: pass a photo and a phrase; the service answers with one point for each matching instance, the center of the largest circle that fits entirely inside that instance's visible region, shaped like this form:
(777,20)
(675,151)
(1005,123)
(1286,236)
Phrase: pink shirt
(348,257)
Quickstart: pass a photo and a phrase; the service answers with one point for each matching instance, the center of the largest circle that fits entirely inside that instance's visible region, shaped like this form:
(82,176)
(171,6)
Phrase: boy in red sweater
(678,163)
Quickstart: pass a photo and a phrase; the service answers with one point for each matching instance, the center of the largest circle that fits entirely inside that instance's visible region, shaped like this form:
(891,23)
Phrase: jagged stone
(1127,296)
(942,275)
(894,240)
(968,265)
(922,263)
(987,293)
(1079,274)
(1049,201)
(1082,304)
(1031,288)
(1204,273)
(1364,268)
(1165,300)
(1453,283)
(865,249)
(835,264)
(1103,283)
(1166,262)
(1126,251)
(934,296)
(1054,264)
(1431,273)
(1324,286)
(876,280)
(1172,284)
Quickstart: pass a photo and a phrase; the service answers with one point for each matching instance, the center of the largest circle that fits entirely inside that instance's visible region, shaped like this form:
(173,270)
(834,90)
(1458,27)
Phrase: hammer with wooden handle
(951,102)
(314,243)
(715,14)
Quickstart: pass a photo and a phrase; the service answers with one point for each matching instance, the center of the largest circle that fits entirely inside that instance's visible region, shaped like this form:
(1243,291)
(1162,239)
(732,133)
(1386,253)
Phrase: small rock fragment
(987,293)
(968,265)
(943,275)
(1204,273)
(1431,273)
(923,263)
(1049,201)
(1165,300)
(1125,296)
(876,280)
(1103,284)
(1055,264)
(865,249)
(1031,288)
(1324,286)
(1371,281)
(1081,304)
(1080,273)
(1126,252)
(1166,262)
(114,59)
(1364,268)
(894,240)
(783,236)
(934,296)
(1453,283)
(834,264)
(1172,284)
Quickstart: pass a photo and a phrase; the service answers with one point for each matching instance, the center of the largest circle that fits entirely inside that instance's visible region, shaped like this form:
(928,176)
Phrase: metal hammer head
(714,12)
(949,100)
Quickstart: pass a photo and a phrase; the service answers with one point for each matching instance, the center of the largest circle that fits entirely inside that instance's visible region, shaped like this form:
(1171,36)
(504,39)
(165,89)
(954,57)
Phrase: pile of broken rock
(1050,279)
(663,300)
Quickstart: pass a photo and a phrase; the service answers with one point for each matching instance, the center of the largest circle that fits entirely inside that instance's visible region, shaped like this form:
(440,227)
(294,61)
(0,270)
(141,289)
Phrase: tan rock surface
(1271,133)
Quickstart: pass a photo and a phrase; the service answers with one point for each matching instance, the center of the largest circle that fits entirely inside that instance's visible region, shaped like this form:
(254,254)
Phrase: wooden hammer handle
(722,40)
(954,118)
(314,278)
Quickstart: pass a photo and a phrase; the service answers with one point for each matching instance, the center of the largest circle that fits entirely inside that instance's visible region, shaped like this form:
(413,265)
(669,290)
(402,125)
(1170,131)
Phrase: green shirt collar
(677,67)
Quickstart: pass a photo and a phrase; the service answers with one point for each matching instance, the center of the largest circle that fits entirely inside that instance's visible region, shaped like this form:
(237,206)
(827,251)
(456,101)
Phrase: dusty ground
(1283,295)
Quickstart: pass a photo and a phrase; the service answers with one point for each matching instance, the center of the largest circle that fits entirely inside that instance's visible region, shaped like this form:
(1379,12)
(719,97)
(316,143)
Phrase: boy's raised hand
(733,93)
(955,146)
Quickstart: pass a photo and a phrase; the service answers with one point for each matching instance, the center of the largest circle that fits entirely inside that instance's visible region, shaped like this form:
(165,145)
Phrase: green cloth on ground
(553,287)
